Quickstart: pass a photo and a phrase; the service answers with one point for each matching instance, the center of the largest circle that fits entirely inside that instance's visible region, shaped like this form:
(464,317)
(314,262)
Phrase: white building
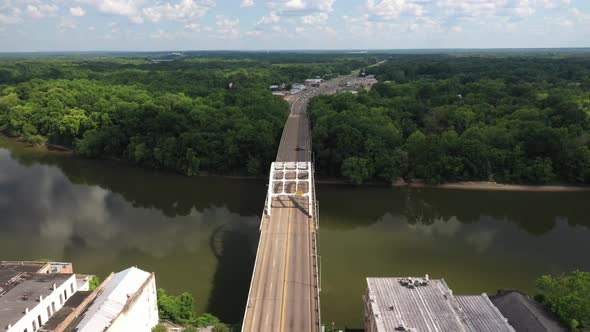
(125,302)
(297,87)
(314,82)
(33,299)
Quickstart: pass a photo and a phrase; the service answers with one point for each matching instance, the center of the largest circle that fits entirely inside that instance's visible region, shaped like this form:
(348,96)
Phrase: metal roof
(110,302)
(524,313)
(482,315)
(429,306)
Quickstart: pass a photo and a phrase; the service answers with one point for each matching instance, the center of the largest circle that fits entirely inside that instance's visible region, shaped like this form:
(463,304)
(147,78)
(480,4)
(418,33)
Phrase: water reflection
(189,230)
(200,234)
(537,213)
(478,241)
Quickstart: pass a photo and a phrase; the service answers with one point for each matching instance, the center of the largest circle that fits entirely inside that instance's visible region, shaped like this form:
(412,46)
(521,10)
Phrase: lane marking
(282,320)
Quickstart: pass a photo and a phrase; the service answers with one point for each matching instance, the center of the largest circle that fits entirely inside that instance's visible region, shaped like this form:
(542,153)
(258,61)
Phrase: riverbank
(487,185)
(465,185)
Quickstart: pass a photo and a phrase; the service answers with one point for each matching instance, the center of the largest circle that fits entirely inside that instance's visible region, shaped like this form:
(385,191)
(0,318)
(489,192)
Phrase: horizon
(37,26)
(327,50)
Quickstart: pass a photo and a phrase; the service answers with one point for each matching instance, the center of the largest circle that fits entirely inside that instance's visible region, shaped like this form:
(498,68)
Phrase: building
(524,313)
(127,301)
(47,297)
(423,304)
(296,88)
(33,299)
(313,82)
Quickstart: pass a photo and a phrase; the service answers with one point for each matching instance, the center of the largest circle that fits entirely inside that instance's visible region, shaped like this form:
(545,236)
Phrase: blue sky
(146,25)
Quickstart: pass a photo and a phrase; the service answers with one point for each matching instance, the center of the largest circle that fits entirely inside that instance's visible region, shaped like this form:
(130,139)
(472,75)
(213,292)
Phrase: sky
(156,25)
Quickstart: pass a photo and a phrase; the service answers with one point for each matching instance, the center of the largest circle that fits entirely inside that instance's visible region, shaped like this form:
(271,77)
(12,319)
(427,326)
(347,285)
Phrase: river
(200,234)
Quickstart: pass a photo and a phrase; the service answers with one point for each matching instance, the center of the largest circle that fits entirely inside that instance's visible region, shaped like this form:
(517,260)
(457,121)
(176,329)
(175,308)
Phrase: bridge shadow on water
(235,249)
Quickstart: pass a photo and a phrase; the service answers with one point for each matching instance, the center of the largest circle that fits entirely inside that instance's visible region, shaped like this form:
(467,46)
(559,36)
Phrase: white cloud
(392,9)
(185,10)
(227,27)
(9,14)
(41,10)
(195,27)
(247,3)
(300,7)
(315,19)
(127,8)
(272,18)
(478,8)
(555,3)
(68,23)
(77,11)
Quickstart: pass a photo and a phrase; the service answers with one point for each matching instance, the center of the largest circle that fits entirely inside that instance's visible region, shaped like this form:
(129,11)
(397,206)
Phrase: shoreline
(493,186)
(416,184)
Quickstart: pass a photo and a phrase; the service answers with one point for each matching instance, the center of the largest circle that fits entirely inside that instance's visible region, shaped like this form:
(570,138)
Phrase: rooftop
(71,304)
(482,315)
(10,272)
(112,299)
(524,313)
(422,304)
(25,295)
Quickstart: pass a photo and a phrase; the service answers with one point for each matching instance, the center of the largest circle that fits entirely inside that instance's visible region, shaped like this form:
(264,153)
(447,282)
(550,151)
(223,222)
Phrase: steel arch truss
(290,180)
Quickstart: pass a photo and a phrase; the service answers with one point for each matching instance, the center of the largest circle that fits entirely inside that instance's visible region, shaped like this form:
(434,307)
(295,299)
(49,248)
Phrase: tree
(568,296)
(207,319)
(94,282)
(36,140)
(220,327)
(357,170)
(178,309)
(159,328)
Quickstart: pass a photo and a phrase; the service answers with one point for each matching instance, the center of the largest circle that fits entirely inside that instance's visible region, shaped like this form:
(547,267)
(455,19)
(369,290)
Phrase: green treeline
(180,309)
(568,296)
(195,114)
(444,119)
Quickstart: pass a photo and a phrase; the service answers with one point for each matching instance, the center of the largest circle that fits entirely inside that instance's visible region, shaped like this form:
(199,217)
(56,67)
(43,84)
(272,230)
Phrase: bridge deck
(283,292)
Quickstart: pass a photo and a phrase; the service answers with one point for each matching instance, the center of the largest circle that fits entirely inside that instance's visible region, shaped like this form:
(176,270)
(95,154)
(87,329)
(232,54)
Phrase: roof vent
(26,311)
(390,308)
(9,326)
(54,286)
(40,298)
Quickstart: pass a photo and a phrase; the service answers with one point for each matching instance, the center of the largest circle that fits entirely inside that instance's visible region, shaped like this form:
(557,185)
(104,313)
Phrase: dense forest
(189,113)
(444,118)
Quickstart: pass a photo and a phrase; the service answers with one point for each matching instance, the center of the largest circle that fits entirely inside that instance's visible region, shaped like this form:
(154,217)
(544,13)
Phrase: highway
(284,292)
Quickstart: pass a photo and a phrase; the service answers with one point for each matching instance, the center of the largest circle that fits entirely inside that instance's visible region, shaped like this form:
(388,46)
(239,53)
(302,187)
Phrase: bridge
(284,292)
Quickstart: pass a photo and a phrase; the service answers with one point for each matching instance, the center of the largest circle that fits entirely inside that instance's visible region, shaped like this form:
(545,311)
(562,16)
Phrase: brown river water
(200,234)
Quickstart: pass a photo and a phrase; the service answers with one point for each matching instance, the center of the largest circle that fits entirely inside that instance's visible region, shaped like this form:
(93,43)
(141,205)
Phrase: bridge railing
(316,267)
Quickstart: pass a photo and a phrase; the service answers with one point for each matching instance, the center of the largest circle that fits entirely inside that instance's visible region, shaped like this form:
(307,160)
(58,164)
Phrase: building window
(65,294)
(53,306)
(48,311)
(39,318)
(26,330)
(72,288)
(34,326)
(61,299)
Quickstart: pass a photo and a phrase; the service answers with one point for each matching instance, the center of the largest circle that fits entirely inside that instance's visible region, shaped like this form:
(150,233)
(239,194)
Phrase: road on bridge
(284,292)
